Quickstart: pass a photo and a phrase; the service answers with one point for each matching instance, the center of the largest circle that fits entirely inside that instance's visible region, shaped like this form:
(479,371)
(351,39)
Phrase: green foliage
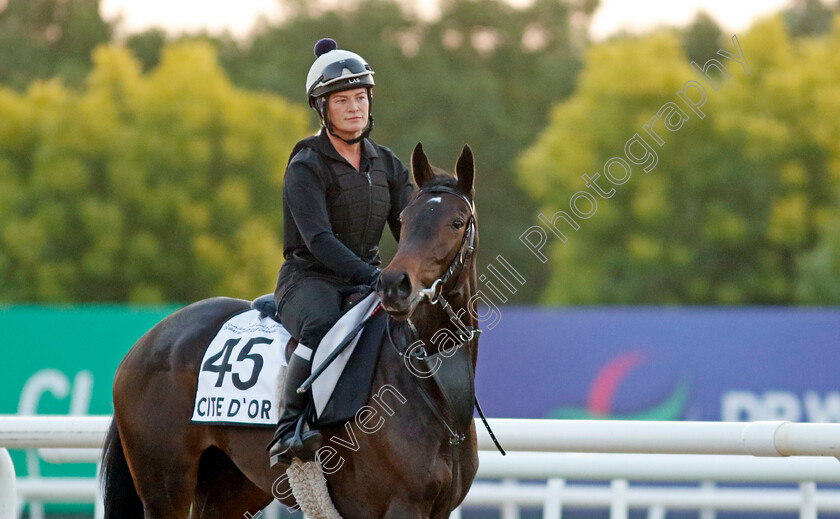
(147,46)
(483,74)
(809,17)
(144,188)
(42,39)
(702,38)
(739,205)
(146,175)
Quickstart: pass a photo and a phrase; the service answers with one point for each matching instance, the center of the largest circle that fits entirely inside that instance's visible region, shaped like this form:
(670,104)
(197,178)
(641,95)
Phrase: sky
(612,15)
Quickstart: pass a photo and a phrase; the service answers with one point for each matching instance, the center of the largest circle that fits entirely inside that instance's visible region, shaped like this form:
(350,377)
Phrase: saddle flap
(324,386)
(354,386)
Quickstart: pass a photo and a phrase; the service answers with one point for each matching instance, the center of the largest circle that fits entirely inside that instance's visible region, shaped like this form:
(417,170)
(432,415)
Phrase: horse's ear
(465,170)
(420,167)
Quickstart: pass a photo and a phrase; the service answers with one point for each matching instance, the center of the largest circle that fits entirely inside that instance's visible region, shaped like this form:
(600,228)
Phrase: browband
(447,189)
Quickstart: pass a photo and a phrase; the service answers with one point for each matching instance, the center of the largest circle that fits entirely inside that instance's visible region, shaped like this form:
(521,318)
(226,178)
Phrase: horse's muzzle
(395,291)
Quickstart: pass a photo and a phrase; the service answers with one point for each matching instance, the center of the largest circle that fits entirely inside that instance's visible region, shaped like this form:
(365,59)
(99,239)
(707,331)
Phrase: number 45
(245,354)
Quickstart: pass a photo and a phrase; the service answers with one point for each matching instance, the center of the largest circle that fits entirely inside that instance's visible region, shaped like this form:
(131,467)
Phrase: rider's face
(349,112)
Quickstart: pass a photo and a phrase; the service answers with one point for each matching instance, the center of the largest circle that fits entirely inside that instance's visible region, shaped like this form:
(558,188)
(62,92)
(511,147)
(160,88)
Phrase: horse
(419,463)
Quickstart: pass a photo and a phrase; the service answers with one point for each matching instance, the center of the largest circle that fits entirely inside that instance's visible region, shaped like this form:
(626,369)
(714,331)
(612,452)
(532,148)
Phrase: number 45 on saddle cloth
(244,364)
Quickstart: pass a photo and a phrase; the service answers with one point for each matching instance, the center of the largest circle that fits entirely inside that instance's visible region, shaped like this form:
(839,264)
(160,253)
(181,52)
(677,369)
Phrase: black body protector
(334,215)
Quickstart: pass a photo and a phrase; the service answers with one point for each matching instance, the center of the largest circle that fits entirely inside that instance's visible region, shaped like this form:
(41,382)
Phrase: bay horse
(418,465)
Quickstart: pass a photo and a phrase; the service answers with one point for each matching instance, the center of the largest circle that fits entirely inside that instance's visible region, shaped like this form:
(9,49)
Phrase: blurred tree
(819,269)
(809,17)
(143,188)
(484,74)
(147,46)
(734,200)
(42,39)
(702,38)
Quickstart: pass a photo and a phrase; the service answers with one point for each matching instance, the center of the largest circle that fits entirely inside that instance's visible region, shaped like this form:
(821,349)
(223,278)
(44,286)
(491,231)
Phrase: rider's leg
(308,311)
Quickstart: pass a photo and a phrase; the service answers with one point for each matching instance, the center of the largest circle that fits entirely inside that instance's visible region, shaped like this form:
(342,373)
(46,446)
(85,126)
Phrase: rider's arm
(401,189)
(304,190)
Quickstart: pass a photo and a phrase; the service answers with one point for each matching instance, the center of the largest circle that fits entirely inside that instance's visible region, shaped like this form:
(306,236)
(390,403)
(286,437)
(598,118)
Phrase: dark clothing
(334,216)
(311,308)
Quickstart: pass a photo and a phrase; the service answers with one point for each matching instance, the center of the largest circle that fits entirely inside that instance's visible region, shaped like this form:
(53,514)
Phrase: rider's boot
(291,440)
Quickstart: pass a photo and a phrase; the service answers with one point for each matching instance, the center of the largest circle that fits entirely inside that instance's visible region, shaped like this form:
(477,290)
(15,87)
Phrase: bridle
(465,252)
(434,294)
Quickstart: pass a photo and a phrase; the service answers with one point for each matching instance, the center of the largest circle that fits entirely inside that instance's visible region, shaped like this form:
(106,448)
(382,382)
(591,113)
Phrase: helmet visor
(333,71)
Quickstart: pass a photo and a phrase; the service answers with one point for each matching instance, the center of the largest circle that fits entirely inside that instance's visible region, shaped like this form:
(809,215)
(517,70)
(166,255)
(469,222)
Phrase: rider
(340,188)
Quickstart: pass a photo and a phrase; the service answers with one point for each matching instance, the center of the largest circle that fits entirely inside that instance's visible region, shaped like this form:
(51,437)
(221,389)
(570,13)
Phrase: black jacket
(333,214)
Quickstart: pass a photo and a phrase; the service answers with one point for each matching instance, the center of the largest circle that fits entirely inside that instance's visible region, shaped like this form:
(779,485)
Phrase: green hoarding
(60,360)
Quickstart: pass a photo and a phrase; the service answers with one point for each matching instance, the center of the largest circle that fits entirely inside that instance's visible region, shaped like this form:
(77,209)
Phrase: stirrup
(305,444)
(282,458)
(299,445)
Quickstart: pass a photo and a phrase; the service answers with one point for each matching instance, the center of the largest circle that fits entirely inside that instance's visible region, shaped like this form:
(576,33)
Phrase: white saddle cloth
(237,382)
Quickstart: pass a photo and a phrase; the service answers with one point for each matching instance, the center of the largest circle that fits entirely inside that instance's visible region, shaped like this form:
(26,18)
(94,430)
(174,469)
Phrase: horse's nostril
(404,287)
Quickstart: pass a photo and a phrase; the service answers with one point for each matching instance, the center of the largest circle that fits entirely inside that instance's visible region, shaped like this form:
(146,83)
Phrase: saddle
(353,388)
(267,307)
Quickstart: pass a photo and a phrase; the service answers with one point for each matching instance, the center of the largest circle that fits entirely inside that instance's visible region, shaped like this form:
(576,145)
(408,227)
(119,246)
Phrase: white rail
(619,496)
(33,432)
(557,468)
(540,449)
(605,467)
(8,487)
(657,467)
(615,436)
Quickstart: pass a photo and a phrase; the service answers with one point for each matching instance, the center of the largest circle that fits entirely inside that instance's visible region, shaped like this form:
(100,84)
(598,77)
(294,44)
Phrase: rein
(455,438)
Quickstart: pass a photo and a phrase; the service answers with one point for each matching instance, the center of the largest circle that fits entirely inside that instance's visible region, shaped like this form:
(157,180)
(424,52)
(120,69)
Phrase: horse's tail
(121,498)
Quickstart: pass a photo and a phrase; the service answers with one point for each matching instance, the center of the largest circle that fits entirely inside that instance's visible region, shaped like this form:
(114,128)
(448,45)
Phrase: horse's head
(437,237)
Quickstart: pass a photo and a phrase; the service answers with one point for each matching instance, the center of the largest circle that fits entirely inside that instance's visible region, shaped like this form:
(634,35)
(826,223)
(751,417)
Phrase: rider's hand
(374,279)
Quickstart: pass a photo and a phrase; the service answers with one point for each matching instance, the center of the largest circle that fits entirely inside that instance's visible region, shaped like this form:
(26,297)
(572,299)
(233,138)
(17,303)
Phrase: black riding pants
(308,303)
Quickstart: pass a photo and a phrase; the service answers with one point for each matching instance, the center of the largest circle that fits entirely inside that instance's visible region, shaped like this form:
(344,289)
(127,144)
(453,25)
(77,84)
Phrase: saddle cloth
(244,365)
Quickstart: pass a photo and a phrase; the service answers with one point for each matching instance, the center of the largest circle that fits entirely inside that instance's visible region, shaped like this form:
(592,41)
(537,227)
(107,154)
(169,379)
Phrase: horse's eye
(457,224)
